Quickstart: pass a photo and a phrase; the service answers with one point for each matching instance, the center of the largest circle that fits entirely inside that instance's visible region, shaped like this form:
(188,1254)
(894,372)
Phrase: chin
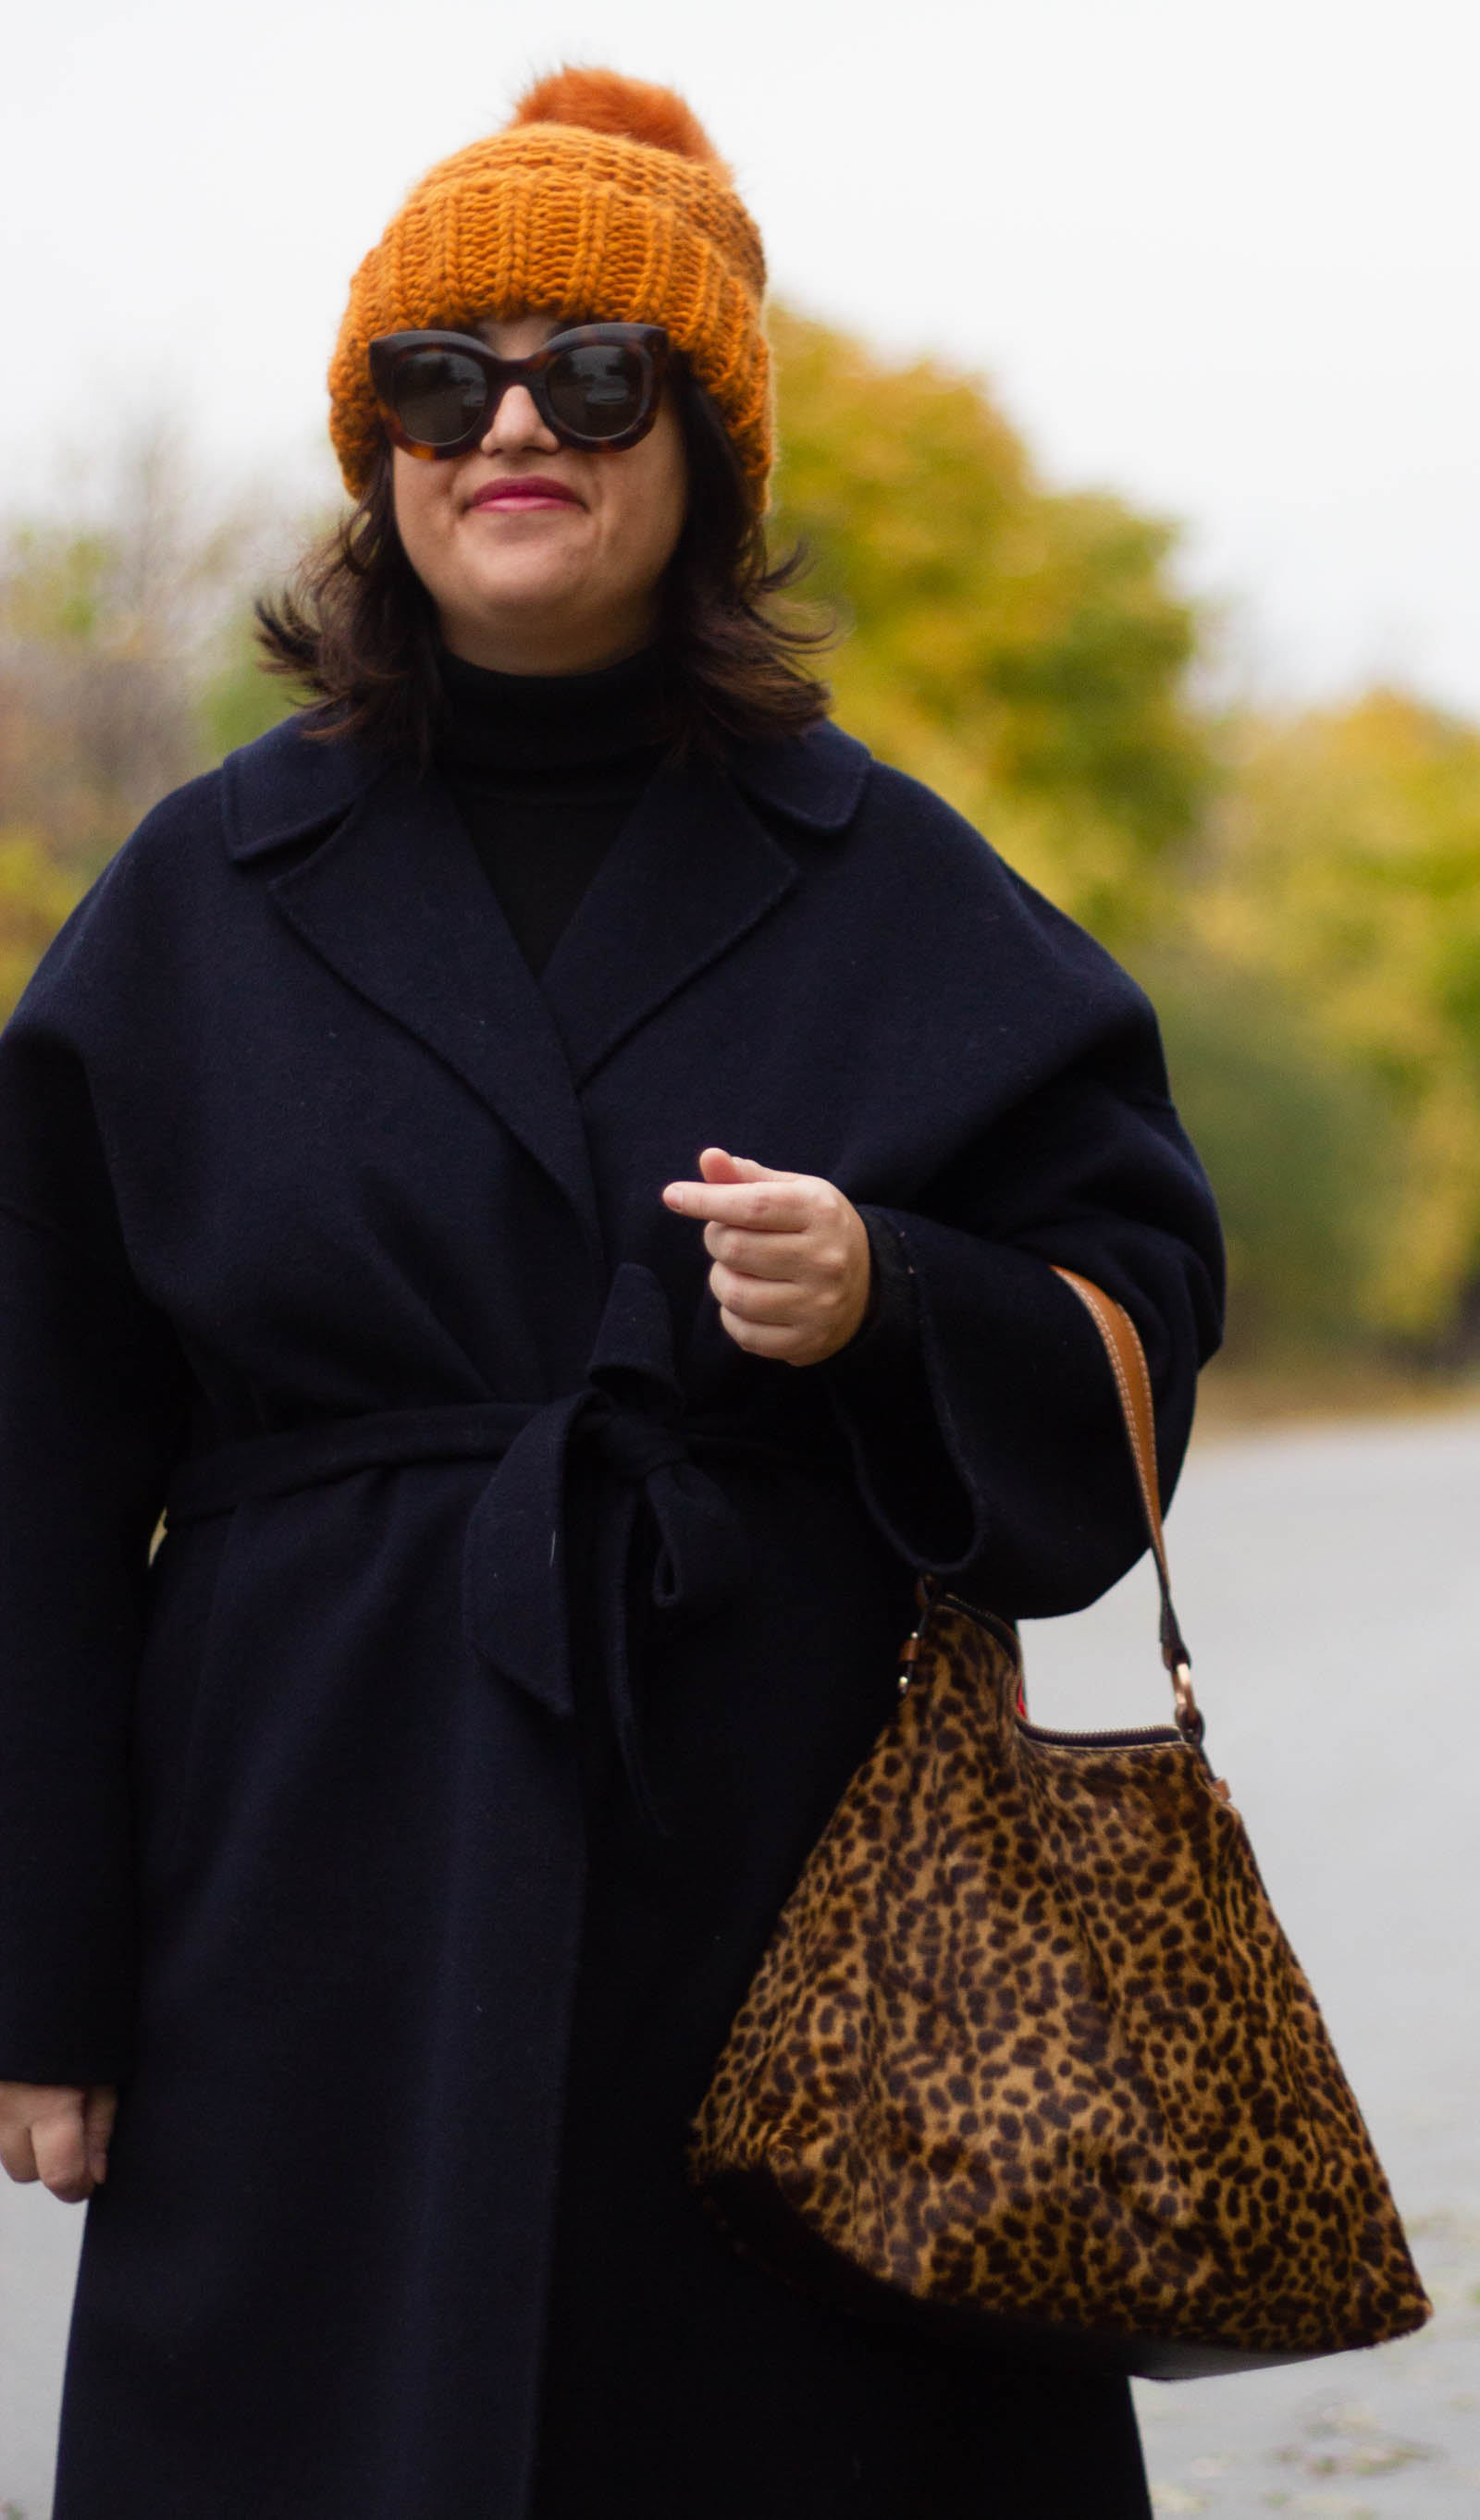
(507,592)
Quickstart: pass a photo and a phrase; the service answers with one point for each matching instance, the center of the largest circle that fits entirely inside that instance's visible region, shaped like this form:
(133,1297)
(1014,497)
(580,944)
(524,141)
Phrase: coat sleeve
(92,1396)
(977,1400)
(880,1392)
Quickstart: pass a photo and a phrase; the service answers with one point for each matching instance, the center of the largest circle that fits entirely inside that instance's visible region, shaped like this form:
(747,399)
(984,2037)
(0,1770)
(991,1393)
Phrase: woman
(542,1504)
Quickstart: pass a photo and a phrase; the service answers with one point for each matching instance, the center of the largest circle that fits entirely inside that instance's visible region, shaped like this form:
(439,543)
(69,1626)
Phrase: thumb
(715,1165)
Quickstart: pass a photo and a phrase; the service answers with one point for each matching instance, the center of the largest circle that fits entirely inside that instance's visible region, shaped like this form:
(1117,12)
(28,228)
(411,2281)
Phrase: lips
(529,490)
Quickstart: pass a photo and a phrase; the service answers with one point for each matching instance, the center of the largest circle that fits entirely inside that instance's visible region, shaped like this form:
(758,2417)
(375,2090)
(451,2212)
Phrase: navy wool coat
(401,1830)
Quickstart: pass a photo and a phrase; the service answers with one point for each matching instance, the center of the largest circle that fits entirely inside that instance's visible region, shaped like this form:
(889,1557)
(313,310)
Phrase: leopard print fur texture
(1028,2051)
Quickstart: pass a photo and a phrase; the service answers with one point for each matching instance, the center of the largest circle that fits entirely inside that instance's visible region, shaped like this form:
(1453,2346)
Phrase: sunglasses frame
(650,341)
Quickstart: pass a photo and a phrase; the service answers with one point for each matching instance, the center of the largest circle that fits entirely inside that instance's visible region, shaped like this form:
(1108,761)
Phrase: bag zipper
(1138,1737)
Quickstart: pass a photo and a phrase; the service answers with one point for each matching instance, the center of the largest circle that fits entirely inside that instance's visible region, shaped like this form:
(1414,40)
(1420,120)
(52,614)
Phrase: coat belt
(628,1416)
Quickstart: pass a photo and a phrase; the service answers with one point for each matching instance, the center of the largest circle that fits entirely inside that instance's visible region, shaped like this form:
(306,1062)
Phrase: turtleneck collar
(519,724)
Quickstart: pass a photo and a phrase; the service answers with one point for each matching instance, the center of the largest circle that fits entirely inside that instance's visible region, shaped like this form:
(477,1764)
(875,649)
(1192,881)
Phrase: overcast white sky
(1225,258)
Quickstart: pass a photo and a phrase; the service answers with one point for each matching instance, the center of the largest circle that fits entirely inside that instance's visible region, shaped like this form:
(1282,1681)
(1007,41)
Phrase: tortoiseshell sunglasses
(597,385)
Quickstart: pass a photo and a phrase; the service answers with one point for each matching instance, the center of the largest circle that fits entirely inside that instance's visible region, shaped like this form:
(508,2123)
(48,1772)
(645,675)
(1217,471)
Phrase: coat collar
(285,785)
(393,900)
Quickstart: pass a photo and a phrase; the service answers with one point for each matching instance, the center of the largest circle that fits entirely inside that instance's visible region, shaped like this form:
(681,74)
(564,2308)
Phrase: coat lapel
(689,875)
(395,901)
(392,899)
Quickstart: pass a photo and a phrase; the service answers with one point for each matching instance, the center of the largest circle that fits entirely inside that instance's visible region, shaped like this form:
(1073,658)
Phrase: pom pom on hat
(604,198)
(626,109)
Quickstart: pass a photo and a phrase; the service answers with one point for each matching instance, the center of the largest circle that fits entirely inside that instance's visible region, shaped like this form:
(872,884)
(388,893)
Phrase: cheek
(422,507)
(656,495)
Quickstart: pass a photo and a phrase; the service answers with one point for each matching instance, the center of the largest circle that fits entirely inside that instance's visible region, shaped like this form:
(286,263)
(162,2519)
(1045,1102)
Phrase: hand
(792,1261)
(58,2134)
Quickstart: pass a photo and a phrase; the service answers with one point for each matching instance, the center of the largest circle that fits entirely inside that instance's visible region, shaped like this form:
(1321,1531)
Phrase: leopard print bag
(1028,2059)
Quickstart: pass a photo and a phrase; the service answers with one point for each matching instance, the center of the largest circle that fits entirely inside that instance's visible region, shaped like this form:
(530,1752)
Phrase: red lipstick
(526,490)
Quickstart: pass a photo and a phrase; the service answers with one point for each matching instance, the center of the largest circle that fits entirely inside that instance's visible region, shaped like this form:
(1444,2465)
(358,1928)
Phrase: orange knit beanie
(601,199)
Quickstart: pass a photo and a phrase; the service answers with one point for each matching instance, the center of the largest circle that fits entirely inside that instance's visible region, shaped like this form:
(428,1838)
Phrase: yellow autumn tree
(1343,871)
(35,895)
(1023,652)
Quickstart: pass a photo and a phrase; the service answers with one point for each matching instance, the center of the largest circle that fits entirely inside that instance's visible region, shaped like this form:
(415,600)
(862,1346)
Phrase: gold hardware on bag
(1189,1720)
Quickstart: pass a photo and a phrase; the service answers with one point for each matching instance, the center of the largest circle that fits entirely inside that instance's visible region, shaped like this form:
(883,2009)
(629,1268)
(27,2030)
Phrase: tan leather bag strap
(1133,1385)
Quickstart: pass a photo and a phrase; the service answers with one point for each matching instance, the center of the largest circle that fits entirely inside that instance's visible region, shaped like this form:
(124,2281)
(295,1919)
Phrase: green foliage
(239,701)
(1300,1149)
(58,586)
(1345,870)
(1022,652)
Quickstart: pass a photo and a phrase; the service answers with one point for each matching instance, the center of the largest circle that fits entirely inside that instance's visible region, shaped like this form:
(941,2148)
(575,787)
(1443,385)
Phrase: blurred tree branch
(112,631)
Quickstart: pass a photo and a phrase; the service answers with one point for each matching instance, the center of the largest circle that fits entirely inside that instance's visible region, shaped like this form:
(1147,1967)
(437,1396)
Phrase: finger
(762,1255)
(759,1338)
(818,1318)
(99,2111)
(61,2154)
(716,1163)
(820,1257)
(766,1207)
(18,2158)
(754,1299)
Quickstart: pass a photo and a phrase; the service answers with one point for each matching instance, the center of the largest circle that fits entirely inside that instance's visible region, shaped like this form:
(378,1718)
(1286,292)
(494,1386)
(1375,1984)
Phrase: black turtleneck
(544,770)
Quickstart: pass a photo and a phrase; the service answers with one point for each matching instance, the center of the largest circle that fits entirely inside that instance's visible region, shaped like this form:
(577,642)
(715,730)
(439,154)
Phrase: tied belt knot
(629,1417)
(630,1443)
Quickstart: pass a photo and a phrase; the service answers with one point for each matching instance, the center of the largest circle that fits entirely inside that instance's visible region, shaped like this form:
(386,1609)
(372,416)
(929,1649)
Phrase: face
(543,558)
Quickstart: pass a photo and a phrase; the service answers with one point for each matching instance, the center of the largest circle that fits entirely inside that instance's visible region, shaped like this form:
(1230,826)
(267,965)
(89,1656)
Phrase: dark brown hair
(357,629)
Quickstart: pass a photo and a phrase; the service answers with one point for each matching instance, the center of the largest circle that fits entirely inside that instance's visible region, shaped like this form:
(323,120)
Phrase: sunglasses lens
(598,389)
(439,395)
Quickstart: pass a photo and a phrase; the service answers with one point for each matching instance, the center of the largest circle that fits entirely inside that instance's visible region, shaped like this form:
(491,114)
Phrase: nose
(515,425)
